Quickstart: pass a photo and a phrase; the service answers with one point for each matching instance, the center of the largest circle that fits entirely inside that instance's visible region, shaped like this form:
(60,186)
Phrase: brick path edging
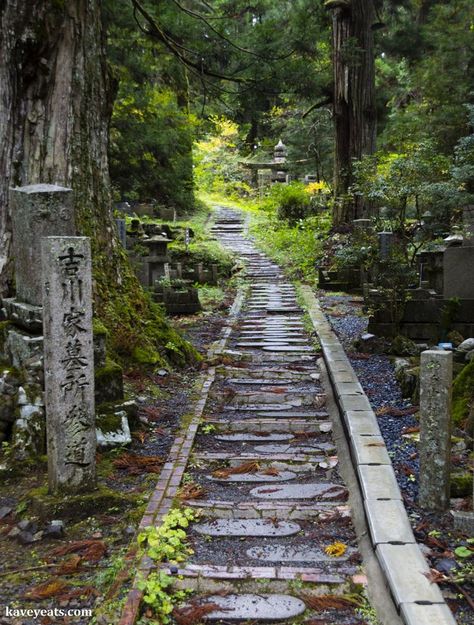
(418,601)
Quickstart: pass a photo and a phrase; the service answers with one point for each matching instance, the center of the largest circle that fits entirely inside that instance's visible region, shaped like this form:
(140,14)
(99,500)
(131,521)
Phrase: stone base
(108,383)
(113,430)
(181,302)
(464,522)
(23,350)
(24,315)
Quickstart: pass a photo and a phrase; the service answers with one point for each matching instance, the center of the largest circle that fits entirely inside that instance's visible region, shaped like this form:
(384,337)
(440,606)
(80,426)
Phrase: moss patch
(463,393)
(461,484)
(76,507)
(110,422)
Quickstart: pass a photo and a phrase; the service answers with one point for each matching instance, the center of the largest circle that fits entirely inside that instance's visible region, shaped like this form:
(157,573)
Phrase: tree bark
(354,98)
(54,114)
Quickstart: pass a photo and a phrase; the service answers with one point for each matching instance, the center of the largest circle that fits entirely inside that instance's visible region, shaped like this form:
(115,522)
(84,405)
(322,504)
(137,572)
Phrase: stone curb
(417,600)
(166,488)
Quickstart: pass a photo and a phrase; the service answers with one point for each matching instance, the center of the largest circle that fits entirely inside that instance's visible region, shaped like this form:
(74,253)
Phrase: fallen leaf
(192,614)
(336,549)
(326,602)
(136,465)
(51,588)
(91,550)
(71,565)
(246,467)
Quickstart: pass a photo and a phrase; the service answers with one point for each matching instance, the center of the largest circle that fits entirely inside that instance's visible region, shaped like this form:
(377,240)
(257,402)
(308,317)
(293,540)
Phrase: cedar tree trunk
(55,108)
(354,98)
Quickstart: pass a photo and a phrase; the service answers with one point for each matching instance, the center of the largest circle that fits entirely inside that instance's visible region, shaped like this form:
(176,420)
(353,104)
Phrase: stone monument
(436,376)
(68,363)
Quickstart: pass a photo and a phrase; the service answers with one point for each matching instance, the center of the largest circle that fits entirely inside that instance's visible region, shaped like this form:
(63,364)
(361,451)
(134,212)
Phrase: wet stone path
(273,500)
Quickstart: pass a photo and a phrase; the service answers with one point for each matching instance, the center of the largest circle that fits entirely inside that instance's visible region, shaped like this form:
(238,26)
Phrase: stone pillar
(436,376)
(38,210)
(385,244)
(68,363)
(122,232)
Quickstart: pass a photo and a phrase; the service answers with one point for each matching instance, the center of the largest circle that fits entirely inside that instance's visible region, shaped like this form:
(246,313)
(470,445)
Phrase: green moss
(463,393)
(3,335)
(76,507)
(108,372)
(146,355)
(108,422)
(461,484)
(98,327)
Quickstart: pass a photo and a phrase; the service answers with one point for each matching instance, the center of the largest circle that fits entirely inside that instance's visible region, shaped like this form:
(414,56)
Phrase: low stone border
(161,499)
(418,601)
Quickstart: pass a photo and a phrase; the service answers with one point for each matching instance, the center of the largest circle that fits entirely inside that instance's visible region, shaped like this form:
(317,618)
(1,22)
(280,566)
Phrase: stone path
(274,500)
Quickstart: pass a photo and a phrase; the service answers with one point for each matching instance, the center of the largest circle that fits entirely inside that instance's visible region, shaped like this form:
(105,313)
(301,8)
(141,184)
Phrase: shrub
(293,202)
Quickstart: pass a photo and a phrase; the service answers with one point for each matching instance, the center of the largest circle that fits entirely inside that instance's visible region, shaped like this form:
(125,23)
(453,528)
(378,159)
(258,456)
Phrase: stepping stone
(283,476)
(262,381)
(299,491)
(247,527)
(293,449)
(253,437)
(298,414)
(287,348)
(255,607)
(282,553)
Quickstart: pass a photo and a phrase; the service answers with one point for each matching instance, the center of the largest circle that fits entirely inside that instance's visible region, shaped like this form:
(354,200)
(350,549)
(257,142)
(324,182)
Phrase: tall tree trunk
(354,97)
(55,108)
(54,113)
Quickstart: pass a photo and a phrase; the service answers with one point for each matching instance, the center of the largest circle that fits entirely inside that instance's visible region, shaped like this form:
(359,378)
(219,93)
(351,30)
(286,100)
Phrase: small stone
(55,529)
(5,511)
(27,526)
(128,531)
(14,532)
(174,569)
(38,536)
(25,538)
(446,565)
(162,373)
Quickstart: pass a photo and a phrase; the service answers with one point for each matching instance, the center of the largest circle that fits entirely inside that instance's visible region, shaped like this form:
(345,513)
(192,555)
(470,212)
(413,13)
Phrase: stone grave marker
(436,375)
(38,210)
(69,364)
(122,232)
(386,240)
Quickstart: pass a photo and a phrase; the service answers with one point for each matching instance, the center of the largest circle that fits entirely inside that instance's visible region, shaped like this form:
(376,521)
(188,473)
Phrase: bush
(293,201)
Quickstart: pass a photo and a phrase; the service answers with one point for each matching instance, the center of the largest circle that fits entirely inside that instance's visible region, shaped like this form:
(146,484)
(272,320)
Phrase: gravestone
(38,210)
(68,363)
(459,263)
(385,244)
(122,232)
(436,375)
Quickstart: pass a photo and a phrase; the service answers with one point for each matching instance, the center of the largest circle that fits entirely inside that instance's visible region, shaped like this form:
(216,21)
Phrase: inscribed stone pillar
(385,244)
(122,232)
(68,363)
(38,210)
(436,375)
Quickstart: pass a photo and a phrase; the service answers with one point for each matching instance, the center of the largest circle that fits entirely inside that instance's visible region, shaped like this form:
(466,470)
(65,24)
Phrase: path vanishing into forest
(265,452)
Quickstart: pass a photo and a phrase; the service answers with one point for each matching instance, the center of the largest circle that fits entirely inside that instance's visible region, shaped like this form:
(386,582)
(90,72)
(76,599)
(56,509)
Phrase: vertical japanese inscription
(69,363)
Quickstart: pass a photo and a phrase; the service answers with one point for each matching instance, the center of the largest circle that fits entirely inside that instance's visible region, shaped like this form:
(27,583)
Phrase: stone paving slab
(361,423)
(294,449)
(284,476)
(378,482)
(247,527)
(388,522)
(405,568)
(369,450)
(261,607)
(249,437)
(435,614)
(299,491)
(354,403)
(288,553)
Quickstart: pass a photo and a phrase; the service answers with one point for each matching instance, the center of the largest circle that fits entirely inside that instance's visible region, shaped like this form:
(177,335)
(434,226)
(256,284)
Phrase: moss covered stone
(108,382)
(461,484)
(76,507)
(108,422)
(463,393)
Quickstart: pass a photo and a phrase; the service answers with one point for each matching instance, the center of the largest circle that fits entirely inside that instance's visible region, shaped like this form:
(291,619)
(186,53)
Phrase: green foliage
(292,200)
(159,595)
(463,393)
(168,541)
(216,160)
(150,146)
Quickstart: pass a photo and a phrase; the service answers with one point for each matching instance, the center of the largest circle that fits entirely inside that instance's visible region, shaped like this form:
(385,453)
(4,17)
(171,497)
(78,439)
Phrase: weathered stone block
(436,375)
(24,315)
(108,382)
(22,348)
(38,210)
(69,363)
